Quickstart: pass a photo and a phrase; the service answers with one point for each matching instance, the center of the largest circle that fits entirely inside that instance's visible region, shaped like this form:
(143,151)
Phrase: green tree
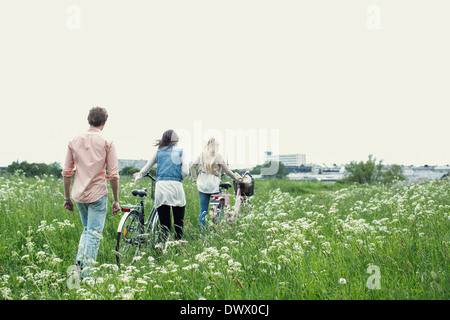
(394,172)
(364,172)
(371,172)
(128,171)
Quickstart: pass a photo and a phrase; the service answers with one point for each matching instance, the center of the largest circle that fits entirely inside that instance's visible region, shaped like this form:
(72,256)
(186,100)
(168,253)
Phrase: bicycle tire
(153,228)
(239,202)
(128,242)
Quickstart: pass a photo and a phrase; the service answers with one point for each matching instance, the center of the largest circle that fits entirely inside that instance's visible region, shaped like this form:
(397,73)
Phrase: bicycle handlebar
(150,176)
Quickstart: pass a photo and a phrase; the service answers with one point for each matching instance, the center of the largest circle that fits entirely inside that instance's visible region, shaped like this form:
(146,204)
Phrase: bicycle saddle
(225,185)
(140,193)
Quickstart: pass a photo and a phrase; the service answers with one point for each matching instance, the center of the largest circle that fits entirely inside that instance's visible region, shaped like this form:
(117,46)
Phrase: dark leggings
(166,223)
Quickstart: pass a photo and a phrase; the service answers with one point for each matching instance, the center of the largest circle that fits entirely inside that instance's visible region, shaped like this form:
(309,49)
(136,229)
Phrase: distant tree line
(129,171)
(358,172)
(34,169)
(31,169)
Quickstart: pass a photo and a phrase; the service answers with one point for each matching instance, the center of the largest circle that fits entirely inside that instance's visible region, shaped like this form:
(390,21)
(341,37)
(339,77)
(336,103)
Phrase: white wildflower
(6,293)
(225,256)
(141,281)
(189,267)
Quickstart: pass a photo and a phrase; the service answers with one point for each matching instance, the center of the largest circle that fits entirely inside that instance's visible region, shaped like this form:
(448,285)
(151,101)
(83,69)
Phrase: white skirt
(169,193)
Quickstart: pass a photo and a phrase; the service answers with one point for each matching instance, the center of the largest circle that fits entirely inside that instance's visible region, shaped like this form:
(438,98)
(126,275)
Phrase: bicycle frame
(220,203)
(129,209)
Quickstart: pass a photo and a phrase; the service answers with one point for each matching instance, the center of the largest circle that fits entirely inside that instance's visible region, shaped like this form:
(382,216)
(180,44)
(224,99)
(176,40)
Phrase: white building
(289,160)
(427,172)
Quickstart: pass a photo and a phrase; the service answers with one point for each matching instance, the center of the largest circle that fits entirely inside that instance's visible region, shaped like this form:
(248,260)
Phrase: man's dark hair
(97,116)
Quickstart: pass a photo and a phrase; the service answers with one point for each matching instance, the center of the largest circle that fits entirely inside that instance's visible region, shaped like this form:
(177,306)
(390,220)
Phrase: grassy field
(301,241)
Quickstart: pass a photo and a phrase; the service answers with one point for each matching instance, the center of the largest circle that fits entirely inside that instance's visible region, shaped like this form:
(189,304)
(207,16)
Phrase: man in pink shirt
(90,153)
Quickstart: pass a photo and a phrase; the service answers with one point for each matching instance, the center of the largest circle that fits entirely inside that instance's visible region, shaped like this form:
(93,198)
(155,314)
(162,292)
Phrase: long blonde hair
(209,153)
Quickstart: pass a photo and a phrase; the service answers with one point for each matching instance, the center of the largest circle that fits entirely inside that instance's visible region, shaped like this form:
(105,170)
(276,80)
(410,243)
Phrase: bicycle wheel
(246,206)
(153,228)
(128,238)
(216,212)
(237,204)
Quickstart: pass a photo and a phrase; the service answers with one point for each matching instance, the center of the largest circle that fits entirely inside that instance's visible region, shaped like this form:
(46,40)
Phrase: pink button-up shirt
(90,153)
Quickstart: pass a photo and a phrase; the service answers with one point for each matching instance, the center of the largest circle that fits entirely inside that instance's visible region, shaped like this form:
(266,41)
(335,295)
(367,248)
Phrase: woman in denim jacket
(171,170)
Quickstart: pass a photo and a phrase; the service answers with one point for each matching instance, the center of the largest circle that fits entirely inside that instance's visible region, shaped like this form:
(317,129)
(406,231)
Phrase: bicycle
(220,203)
(133,234)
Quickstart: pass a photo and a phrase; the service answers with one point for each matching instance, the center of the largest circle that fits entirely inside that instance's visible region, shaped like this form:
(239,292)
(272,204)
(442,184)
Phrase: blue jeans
(204,205)
(93,217)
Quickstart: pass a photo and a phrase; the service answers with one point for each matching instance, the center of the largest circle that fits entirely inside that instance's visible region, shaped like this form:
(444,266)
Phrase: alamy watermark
(239,146)
(373,21)
(74,278)
(373,282)
(73,17)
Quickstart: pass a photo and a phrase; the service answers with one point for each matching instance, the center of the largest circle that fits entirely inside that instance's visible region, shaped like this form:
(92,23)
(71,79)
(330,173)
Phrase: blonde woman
(211,164)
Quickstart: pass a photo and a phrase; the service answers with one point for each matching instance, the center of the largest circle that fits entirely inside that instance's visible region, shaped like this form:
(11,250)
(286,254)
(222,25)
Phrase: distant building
(426,171)
(318,173)
(138,164)
(292,162)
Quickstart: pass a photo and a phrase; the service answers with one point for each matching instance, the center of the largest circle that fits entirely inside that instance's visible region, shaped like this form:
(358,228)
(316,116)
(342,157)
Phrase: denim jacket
(169,164)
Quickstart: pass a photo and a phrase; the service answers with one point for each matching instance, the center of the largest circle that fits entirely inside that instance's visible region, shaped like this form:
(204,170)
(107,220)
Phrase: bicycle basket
(247,185)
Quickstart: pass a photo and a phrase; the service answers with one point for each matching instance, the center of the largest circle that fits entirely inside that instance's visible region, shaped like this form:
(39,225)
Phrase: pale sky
(314,73)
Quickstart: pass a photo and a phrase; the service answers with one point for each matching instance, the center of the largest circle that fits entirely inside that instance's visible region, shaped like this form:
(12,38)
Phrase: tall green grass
(302,240)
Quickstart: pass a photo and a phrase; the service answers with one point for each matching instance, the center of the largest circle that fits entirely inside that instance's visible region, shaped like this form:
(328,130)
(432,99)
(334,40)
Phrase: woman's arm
(230,173)
(194,166)
(226,169)
(184,167)
(145,169)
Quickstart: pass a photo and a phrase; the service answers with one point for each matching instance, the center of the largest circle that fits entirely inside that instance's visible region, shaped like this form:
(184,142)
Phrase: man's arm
(67,174)
(66,183)
(113,176)
(68,204)
(114,183)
